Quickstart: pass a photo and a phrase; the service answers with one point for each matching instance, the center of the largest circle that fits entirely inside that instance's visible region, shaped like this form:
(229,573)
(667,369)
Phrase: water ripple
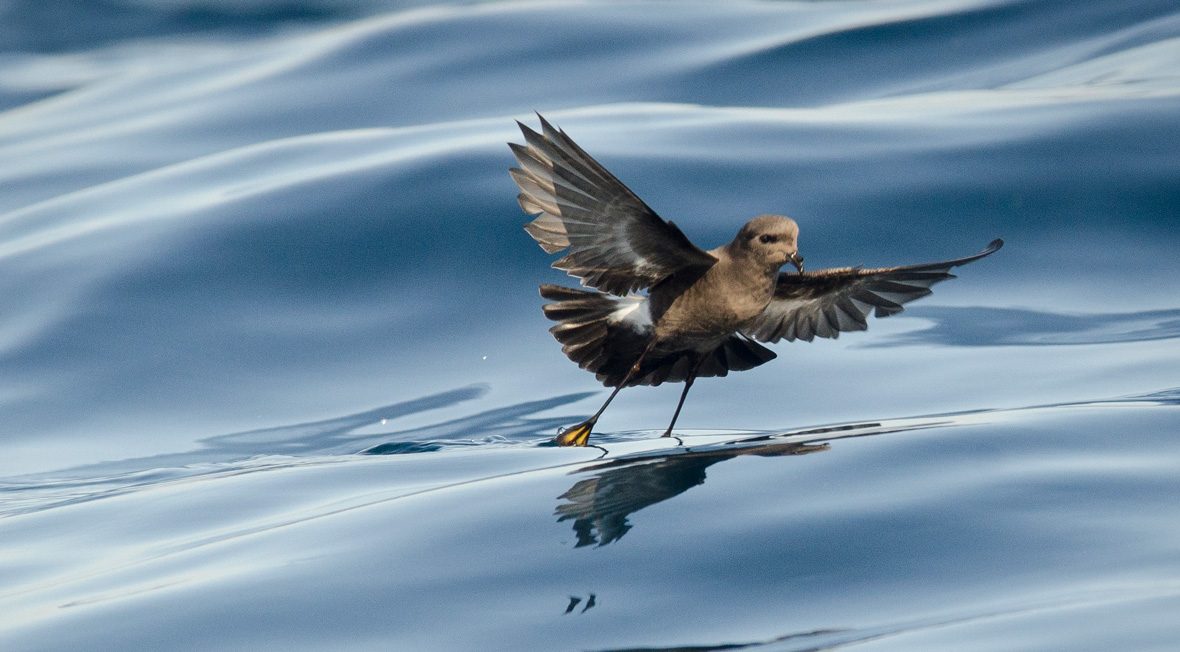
(980,326)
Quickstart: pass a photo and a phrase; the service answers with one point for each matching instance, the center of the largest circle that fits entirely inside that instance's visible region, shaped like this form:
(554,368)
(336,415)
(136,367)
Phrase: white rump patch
(633,311)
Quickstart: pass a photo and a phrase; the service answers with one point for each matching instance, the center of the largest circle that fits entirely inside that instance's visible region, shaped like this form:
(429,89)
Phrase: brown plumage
(703,310)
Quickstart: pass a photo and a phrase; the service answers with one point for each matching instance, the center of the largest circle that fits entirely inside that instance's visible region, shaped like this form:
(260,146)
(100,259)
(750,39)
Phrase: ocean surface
(274,375)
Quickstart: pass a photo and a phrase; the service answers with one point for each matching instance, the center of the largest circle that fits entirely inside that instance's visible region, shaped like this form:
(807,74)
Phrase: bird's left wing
(616,243)
(830,301)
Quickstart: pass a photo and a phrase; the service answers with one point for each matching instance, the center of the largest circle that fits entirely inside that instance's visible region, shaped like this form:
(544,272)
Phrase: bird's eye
(766,238)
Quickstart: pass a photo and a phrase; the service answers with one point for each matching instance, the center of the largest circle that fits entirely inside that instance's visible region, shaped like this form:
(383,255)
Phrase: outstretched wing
(616,243)
(830,301)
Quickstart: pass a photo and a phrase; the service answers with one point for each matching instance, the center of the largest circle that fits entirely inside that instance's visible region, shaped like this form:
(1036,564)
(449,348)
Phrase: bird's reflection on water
(599,505)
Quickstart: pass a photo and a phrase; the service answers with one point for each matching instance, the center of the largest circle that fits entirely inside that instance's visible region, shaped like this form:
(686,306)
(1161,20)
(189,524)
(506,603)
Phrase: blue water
(273,372)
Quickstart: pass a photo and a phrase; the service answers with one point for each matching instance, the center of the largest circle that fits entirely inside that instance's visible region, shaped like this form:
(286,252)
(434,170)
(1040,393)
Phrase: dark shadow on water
(975,326)
(575,600)
(600,505)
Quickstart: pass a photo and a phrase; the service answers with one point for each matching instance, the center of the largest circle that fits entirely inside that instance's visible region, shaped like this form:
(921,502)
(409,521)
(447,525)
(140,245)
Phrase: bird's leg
(580,434)
(692,375)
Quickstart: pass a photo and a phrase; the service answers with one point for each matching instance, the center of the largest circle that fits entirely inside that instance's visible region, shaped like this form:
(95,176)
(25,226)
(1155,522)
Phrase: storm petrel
(704,312)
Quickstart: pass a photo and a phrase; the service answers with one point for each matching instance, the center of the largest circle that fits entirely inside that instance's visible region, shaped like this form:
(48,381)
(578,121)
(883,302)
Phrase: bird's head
(771,239)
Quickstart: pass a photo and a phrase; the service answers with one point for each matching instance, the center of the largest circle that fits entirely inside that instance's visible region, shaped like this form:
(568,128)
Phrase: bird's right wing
(616,243)
(830,301)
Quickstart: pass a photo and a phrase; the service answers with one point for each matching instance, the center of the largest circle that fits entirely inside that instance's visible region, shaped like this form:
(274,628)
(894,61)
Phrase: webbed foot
(576,435)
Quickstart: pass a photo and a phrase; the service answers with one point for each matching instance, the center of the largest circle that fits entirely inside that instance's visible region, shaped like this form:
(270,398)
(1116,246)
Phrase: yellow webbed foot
(575,435)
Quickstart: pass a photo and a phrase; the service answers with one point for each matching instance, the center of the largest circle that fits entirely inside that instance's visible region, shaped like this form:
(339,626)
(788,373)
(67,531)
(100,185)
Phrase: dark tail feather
(589,337)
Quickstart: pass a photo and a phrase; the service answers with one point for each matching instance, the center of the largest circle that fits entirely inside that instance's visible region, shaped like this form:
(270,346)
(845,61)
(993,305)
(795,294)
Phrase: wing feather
(831,301)
(616,243)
